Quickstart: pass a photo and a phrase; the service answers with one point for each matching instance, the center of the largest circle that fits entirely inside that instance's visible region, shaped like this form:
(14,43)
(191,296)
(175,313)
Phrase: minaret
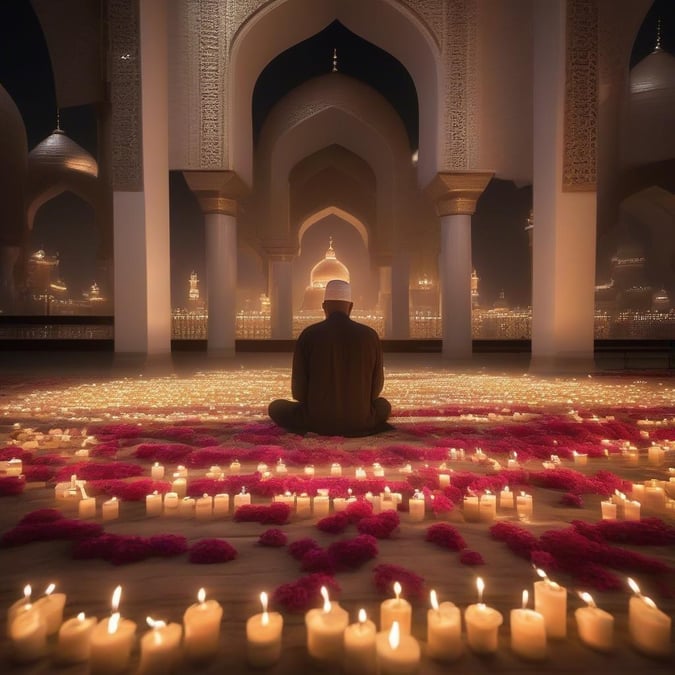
(475,297)
(194,290)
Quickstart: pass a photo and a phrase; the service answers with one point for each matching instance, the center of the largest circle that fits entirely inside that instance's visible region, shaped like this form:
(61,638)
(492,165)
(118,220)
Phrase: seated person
(337,375)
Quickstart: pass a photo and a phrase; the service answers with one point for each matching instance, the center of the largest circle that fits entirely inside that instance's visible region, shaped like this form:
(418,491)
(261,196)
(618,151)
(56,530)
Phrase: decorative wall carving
(581,97)
(125,95)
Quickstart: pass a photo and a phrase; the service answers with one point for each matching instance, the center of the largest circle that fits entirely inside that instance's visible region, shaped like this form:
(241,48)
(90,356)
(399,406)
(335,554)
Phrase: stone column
(455,195)
(140,176)
(564,238)
(280,291)
(217,193)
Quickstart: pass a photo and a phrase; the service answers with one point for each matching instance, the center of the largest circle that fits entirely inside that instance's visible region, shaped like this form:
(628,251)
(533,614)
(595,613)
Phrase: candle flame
(81,617)
(117,594)
(587,598)
(394,635)
(541,573)
(50,589)
(397,590)
(201,596)
(27,591)
(633,586)
(649,602)
(433,599)
(113,623)
(480,585)
(526,597)
(156,625)
(326,599)
(362,616)
(263,601)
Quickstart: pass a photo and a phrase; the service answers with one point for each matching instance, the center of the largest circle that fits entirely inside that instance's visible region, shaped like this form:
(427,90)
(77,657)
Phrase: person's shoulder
(365,330)
(310,330)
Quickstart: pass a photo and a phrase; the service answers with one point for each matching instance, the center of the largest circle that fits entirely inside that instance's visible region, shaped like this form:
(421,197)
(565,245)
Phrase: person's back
(338,375)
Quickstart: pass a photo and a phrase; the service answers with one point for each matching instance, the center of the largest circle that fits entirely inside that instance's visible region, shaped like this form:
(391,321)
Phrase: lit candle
(309,470)
(263,636)
(160,648)
(482,624)
(111,641)
(74,640)
(443,479)
(608,509)
(181,472)
(157,471)
(359,646)
(28,634)
(186,507)
(595,626)
(655,455)
(649,627)
(221,505)
(550,599)
(261,468)
(281,467)
(242,499)
(528,632)
(444,630)
(378,470)
(471,509)
(325,630)
(110,509)
(179,486)
(214,472)
(86,507)
(631,510)
(51,607)
(303,506)
(204,507)
(524,507)
(321,504)
(580,459)
(335,469)
(396,609)
(397,653)
(512,462)
(416,507)
(235,467)
(19,606)
(488,507)
(360,473)
(286,498)
(387,501)
(202,628)
(153,504)
(506,498)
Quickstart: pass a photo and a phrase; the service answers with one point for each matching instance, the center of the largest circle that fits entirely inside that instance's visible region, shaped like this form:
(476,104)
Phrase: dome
(58,154)
(654,73)
(327,269)
(629,253)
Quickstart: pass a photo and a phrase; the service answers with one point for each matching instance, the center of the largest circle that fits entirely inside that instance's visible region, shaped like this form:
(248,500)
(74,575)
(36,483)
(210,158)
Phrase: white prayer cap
(336,289)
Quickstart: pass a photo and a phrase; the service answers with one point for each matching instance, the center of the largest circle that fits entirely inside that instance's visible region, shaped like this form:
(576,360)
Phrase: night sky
(500,247)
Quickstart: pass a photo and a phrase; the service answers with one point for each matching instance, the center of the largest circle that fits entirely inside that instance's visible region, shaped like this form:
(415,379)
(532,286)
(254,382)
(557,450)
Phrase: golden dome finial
(335,61)
(330,253)
(58,129)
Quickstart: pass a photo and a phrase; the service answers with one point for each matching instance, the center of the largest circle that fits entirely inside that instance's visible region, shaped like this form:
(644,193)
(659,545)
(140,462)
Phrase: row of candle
(107,645)
(483,508)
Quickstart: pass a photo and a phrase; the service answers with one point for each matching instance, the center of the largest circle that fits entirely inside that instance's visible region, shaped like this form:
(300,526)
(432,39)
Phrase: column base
(563,364)
(220,352)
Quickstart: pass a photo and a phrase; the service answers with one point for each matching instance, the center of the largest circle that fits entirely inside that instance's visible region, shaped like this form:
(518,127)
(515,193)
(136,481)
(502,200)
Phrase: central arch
(333,211)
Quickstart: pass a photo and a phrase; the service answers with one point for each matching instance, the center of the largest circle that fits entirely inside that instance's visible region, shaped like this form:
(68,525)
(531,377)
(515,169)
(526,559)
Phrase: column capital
(279,252)
(456,192)
(216,191)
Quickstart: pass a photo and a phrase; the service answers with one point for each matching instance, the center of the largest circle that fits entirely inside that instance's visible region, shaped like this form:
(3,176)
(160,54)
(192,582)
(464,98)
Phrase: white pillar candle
(580,459)
(416,507)
(339,504)
(443,479)
(608,510)
(160,648)
(110,646)
(335,469)
(487,507)
(471,508)
(359,646)
(303,506)
(321,504)
(482,624)
(655,497)
(235,467)
(286,498)
(524,506)
(110,509)
(655,455)
(215,472)
(506,499)
(51,607)
(261,468)
(186,507)
(179,486)
(181,472)
(309,470)
(648,626)
(595,626)
(86,508)
(221,505)
(19,606)
(387,500)
(153,504)
(325,630)
(157,471)
(550,599)
(242,499)
(263,637)
(74,640)
(28,634)
(637,490)
(378,470)
(396,609)
(444,630)
(204,508)
(397,653)
(631,510)
(360,473)
(202,628)
(528,632)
